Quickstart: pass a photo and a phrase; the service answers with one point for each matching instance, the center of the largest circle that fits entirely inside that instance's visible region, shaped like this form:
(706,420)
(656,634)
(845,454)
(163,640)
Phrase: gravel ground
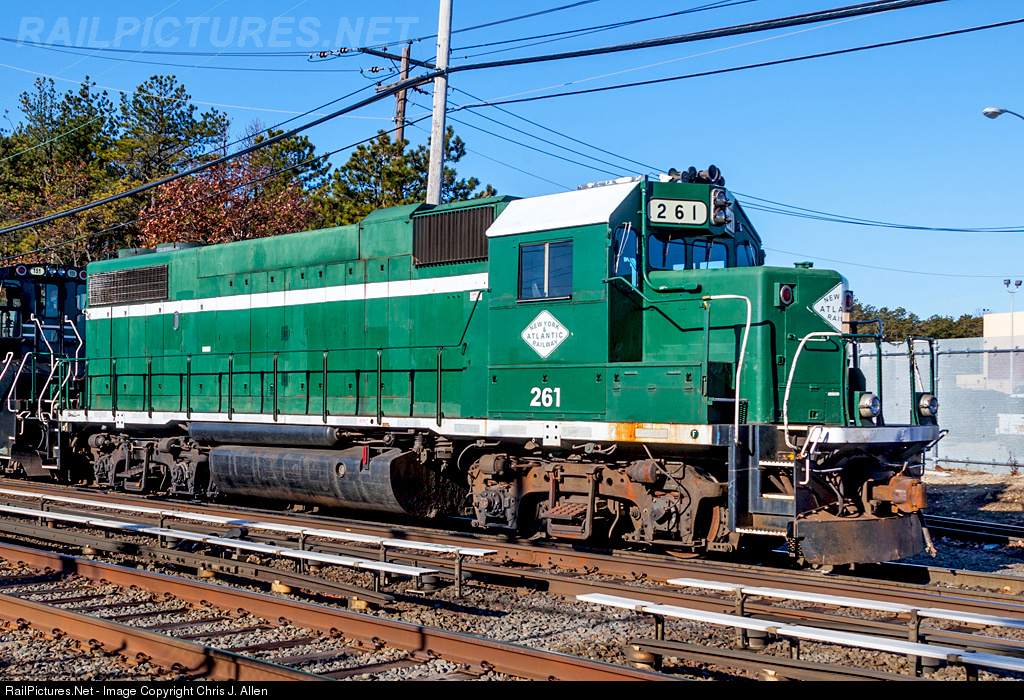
(982,496)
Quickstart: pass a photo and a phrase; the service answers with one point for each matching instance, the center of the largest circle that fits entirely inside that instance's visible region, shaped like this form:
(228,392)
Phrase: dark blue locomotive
(41,319)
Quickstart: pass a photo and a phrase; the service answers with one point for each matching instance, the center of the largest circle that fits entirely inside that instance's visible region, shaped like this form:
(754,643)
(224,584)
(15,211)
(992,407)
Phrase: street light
(993,112)
(1012,292)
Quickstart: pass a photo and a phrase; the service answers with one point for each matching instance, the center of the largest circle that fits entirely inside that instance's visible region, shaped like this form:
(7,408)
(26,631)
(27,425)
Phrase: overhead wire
(75,51)
(144,50)
(586,31)
(223,147)
(507,164)
(886,269)
(749,66)
(795,20)
(192,202)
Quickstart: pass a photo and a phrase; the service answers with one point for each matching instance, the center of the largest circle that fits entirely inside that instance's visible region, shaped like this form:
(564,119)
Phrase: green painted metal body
(655,349)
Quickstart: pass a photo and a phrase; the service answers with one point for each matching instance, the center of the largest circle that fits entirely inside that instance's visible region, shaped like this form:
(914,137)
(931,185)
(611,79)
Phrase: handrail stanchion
(113,387)
(380,389)
(440,413)
(188,387)
(325,386)
(275,387)
(231,383)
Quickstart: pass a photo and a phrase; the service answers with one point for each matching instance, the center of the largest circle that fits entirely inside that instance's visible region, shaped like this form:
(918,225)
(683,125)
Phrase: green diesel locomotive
(610,363)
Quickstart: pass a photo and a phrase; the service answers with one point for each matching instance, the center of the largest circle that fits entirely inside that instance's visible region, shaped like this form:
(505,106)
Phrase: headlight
(869,406)
(928,405)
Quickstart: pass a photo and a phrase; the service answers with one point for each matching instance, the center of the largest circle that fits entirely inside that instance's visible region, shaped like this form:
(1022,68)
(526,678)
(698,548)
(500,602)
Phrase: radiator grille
(455,236)
(133,286)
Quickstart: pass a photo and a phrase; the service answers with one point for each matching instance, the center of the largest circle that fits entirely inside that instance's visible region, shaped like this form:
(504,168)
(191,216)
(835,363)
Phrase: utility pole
(400,109)
(436,173)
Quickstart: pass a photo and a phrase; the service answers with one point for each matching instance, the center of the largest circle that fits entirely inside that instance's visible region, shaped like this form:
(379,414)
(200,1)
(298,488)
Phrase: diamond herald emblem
(830,307)
(544,334)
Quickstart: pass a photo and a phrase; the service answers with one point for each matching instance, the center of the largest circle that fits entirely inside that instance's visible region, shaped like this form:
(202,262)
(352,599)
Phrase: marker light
(21,269)
(786,295)
(848,301)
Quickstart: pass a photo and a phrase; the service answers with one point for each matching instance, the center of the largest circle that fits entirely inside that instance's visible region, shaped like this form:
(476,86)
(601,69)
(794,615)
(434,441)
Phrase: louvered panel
(455,236)
(135,286)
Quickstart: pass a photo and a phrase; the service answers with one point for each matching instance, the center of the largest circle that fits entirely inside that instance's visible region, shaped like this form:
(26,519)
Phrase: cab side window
(545,271)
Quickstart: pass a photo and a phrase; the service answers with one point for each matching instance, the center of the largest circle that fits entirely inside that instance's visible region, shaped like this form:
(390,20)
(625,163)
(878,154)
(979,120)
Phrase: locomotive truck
(612,363)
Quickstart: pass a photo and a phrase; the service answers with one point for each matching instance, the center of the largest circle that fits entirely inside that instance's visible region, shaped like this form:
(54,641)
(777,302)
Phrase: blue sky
(893,134)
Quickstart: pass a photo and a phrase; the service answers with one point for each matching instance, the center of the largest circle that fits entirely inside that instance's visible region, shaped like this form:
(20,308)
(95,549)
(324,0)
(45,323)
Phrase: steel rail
(769,667)
(169,556)
(974,530)
(196,660)
(476,652)
(908,584)
(551,582)
(555,583)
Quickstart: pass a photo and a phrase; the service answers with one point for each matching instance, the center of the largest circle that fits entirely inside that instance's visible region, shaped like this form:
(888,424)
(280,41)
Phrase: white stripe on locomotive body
(550,433)
(297,297)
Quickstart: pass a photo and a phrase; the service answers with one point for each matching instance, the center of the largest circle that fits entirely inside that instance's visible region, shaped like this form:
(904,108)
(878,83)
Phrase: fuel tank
(359,478)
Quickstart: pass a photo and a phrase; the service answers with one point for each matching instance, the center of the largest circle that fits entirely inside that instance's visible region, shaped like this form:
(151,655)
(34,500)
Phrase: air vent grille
(454,236)
(133,286)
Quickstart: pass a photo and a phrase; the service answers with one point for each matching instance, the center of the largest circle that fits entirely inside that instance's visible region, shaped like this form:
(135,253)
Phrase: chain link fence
(980,387)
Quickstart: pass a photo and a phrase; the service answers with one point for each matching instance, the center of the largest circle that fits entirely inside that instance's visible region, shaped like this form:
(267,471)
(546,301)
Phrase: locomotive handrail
(62,387)
(743,343)
(439,347)
(53,368)
(739,363)
(877,338)
(915,417)
(7,364)
(792,372)
(14,382)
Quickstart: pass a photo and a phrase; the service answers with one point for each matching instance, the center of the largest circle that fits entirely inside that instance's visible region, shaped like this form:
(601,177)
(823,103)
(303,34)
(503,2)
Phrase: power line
(222,147)
(886,269)
(868,8)
(748,66)
(385,92)
(650,168)
(196,201)
(335,53)
(76,51)
(851,11)
(158,52)
(506,164)
(802,213)
(583,31)
(516,19)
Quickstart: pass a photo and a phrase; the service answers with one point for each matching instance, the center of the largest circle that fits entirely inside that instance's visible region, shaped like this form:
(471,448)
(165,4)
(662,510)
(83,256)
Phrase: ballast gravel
(525,617)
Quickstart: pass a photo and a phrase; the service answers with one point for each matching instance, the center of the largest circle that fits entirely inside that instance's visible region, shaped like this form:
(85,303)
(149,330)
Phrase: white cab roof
(596,205)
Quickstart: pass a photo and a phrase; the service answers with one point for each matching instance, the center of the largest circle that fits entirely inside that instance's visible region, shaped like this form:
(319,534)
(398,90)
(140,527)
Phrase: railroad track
(233,624)
(974,530)
(559,572)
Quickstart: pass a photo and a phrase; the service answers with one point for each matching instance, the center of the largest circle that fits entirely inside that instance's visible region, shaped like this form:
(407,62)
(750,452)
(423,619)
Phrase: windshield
(665,253)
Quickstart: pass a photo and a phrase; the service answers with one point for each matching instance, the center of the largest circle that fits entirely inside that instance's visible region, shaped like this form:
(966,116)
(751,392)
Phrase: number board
(677,211)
